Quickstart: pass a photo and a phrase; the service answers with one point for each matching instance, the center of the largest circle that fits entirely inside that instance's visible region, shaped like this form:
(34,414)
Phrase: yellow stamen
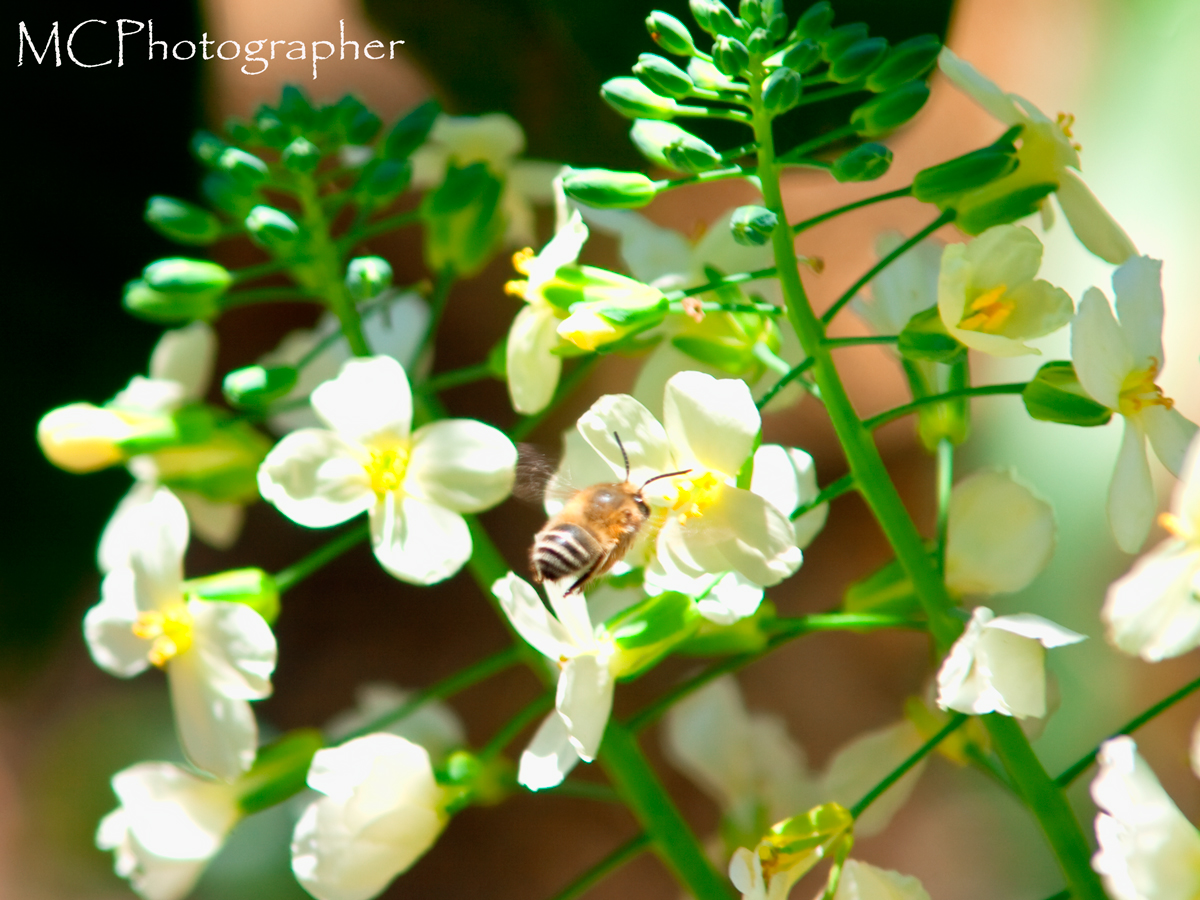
(169,631)
(523,260)
(516,288)
(1065,122)
(697,492)
(1174,525)
(988,312)
(386,469)
(1138,391)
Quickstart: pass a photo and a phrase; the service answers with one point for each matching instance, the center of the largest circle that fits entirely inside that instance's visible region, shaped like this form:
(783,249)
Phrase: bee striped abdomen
(561,551)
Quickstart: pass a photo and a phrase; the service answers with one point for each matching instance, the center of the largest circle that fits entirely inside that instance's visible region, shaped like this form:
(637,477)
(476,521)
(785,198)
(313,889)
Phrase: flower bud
(182,222)
(464,220)
(907,60)
(857,60)
(645,633)
(702,12)
(652,137)
(301,155)
(1055,395)
(802,56)
(295,109)
(891,110)
(223,466)
(279,771)
(177,275)
(750,12)
(358,123)
(865,162)
(815,21)
(978,217)
(604,307)
(246,170)
(752,225)
(690,154)
(253,387)
(634,100)
(723,22)
(942,183)
(781,91)
(382,181)
(925,338)
(662,76)
(223,193)
(143,301)
(82,438)
(410,132)
(252,587)
(207,147)
(730,56)
(273,230)
(177,290)
(670,34)
(193,423)
(775,20)
(368,277)
(758,41)
(605,189)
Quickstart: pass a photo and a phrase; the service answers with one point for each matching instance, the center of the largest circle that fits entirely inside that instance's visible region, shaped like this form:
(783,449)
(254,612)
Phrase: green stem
(258,271)
(1049,806)
(447,687)
(673,841)
(586,790)
(298,571)
(468,374)
(945,484)
(1013,387)
(371,229)
(793,373)
(631,849)
(956,722)
(840,91)
(831,491)
(535,709)
(704,177)
(860,340)
(1080,766)
(281,294)
(857,204)
(763,309)
(802,150)
(727,281)
(944,219)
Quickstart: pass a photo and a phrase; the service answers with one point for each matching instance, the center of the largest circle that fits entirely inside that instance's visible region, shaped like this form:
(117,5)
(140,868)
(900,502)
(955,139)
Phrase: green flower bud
(246,170)
(730,56)
(752,225)
(858,59)
(802,57)
(781,91)
(191,424)
(758,41)
(358,123)
(723,22)
(222,465)
(605,189)
(604,307)
(252,587)
(223,193)
(944,182)
(887,591)
(1055,395)
(815,21)
(280,770)
(367,277)
(907,60)
(253,387)
(891,110)
(1009,207)
(177,275)
(295,109)
(143,301)
(702,12)
(271,130)
(691,154)
(240,131)
(925,338)
(647,632)
(865,162)
(410,132)
(774,19)
(750,12)
(464,220)
(301,155)
(207,147)
(634,100)
(273,229)
(182,222)
(382,181)
(670,34)
(836,42)
(662,76)
(671,146)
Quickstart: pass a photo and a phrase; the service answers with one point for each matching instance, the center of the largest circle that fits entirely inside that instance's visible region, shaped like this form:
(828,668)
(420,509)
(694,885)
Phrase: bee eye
(645,510)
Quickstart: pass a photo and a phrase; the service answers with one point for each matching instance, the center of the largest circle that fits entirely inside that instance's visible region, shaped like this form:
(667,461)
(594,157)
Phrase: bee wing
(580,468)
(534,471)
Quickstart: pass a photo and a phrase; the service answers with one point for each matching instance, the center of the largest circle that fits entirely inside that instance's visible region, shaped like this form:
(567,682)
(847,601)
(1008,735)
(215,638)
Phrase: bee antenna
(624,455)
(664,475)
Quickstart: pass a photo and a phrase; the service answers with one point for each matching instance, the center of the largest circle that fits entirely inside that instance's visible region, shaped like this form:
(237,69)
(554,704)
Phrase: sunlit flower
(999,534)
(498,141)
(168,826)
(863,881)
(1118,364)
(1047,155)
(1154,610)
(789,850)
(988,297)
(217,656)
(382,809)
(1148,850)
(433,724)
(415,486)
(999,665)
(906,287)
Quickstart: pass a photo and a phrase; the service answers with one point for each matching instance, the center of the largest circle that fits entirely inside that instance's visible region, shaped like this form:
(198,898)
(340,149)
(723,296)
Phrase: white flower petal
(1153,611)
(562,250)
(1170,434)
(906,287)
(533,371)
(1099,349)
(710,421)
(979,88)
(549,756)
(861,881)
(218,733)
(530,617)
(217,524)
(369,397)
(1138,288)
(787,479)
(156,558)
(584,701)
(863,763)
(572,611)
(644,439)
(416,541)
(1036,628)
(186,356)
(236,646)
(108,627)
(174,814)
(123,530)
(1091,222)
(650,252)
(745,871)
(1004,255)
(733,597)
(461,464)
(156,396)
(316,478)
(1131,498)
(754,538)
(579,467)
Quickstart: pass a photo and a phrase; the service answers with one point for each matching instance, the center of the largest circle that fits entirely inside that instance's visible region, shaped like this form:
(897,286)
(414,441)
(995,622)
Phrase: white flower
(862,881)
(217,656)
(414,485)
(396,329)
(1000,534)
(587,655)
(381,811)
(999,665)
(906,287)
(496,140)
(169,825)
(988,297)
(1118,365)
(1154,610)
(705,524)
(1047,155)
(433,724)
(1148,850)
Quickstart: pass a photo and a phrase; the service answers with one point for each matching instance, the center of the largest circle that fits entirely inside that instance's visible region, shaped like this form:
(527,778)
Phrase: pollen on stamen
(988,312)
(522,259)
(1065,122)
(1174,525)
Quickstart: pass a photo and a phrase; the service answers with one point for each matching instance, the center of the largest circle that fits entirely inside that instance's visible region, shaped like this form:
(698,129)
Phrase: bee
(593,531)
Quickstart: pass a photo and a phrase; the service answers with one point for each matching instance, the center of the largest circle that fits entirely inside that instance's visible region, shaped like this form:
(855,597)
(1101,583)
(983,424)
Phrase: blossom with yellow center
(988,297)
(1118,363)
(414,485)
(217,655)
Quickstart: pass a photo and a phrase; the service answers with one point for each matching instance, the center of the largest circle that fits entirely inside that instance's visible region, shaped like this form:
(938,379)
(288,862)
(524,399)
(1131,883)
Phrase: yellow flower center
(1138,391)
(1065,122)
(1178,527)
(386,469)
(696,492)
(988,312)
(169,631)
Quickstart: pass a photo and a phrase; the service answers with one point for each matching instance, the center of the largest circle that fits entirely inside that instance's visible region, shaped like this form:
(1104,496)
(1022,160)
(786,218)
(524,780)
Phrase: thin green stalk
(956,722)
(704,177)
(945,483)
(860,340)
(857,204)
(249,273)
(630,850)
(944,219)
(280,294)
(288,578)
(794,373)
(727,281)
(371,229)
(983,390)
(831,491)
(1080,765)
(841,90)
(447,687)
(586,790)
(800,151)
(533,710)
(674,842)
(763,309)
(1043,797)
(443,381)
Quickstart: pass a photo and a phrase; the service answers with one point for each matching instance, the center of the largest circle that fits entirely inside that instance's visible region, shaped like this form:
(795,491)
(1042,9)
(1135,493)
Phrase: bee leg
(597,566)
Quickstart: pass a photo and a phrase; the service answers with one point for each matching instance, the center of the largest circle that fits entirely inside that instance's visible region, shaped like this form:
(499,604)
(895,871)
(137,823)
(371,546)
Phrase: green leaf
(925,338)
(1055,395)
